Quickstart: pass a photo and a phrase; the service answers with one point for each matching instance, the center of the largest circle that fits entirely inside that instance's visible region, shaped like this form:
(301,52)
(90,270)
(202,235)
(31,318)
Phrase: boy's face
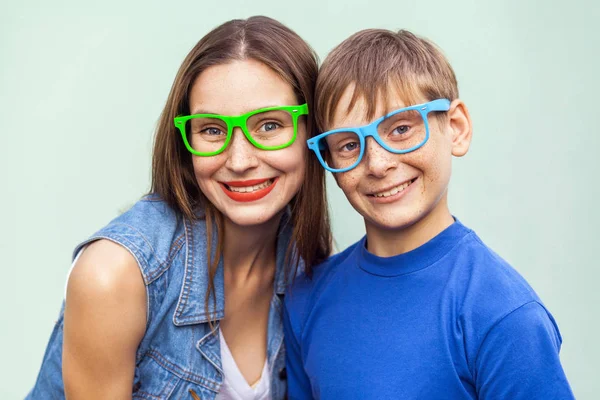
(396,191)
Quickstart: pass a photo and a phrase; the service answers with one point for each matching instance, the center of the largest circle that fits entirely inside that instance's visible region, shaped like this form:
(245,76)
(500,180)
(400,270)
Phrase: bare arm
(105,320)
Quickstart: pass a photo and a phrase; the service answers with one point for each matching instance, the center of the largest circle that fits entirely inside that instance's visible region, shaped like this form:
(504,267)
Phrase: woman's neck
(249,251)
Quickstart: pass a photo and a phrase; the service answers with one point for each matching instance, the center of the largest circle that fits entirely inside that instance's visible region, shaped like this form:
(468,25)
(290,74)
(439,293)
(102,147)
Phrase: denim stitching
(157,273)
(212,360)
(144,395)
(180,372)
(162,264)
(150,274)
(137,234)
(183,296)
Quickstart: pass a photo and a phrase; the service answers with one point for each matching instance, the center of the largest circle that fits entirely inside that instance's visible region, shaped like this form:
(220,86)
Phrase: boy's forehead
(347,114)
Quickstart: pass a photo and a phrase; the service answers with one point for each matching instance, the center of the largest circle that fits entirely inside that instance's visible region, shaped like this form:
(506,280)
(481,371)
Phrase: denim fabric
(178,353)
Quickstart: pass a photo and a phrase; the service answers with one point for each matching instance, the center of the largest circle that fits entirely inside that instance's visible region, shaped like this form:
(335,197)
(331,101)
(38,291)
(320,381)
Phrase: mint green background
(81,88)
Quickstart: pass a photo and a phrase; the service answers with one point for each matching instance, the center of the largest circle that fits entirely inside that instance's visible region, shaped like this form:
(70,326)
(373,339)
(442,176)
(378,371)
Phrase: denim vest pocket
(153,380)
(159,378)
(190,391)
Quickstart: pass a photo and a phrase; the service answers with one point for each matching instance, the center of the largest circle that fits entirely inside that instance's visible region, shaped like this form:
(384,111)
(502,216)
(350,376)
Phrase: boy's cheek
(348,181)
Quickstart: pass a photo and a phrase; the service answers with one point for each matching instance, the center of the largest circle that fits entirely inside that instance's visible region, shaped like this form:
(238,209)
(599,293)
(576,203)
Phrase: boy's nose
(378,160)
(241,154)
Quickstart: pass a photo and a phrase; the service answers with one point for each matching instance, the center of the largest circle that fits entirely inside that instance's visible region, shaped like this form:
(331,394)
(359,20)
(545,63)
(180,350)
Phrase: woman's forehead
(239,87)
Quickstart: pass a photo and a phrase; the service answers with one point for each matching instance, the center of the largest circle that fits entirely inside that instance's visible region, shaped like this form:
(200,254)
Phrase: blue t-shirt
(448,320)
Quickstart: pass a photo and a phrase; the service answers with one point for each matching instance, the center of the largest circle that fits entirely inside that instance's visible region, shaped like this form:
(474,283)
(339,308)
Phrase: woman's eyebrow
(203,111)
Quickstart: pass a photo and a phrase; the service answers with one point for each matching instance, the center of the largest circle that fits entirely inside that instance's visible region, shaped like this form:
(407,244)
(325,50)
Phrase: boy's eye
(402,129)
(350,146)
(342,142)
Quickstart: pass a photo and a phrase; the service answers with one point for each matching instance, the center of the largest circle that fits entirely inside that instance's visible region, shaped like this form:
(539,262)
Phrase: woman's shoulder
(151,231)
(106,303)
(105,269)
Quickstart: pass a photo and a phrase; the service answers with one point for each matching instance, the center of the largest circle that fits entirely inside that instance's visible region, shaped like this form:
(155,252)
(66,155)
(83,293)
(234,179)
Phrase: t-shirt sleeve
(519,358)
(298,383)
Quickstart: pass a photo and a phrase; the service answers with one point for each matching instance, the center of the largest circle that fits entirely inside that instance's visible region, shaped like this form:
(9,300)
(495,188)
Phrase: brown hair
(372,59)
(268,41)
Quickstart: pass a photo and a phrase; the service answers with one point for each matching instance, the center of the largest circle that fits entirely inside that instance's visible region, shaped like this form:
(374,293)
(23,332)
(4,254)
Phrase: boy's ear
(460,127)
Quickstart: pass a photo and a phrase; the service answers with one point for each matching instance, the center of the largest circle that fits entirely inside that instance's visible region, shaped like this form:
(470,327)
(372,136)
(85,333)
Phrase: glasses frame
(316,144)
(240,121)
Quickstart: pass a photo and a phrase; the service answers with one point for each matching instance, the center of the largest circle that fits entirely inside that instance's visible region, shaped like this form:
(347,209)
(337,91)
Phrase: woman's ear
(461,127)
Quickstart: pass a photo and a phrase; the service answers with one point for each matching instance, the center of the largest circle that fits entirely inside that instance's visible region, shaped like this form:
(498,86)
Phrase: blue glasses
(399,132)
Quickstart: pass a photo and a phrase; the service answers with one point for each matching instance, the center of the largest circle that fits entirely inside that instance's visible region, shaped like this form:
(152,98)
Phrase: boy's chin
(392,221)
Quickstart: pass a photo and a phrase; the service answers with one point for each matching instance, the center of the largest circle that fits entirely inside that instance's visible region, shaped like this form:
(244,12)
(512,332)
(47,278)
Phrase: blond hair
(374,59)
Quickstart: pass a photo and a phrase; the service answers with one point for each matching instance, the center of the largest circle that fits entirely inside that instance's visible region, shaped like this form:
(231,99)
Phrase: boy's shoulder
(490,275)
(305,288)
(487,288)
(490,298)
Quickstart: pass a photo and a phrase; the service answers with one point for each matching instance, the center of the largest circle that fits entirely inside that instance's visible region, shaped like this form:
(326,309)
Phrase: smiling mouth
(394,190)
(250,190)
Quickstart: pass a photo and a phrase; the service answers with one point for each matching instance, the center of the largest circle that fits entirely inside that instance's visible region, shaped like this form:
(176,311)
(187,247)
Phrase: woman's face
(248,185)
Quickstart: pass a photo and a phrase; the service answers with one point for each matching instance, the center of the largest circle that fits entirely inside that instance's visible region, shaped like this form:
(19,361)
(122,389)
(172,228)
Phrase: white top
(235,386)
(71,270)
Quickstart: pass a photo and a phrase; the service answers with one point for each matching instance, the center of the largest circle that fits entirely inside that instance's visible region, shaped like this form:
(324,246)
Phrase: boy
(420,308)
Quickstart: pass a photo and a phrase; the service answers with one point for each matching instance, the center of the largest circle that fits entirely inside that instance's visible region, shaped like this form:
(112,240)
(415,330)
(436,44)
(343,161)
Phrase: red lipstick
(247,196)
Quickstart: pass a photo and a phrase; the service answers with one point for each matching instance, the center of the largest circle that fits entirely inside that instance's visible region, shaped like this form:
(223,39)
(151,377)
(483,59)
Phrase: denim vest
(178,354)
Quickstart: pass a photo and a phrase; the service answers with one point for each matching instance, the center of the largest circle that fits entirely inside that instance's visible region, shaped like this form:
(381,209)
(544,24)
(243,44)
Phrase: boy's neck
(391,242)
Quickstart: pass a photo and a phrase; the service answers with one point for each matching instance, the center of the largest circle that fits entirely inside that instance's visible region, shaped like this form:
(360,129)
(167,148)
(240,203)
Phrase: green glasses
(270,128)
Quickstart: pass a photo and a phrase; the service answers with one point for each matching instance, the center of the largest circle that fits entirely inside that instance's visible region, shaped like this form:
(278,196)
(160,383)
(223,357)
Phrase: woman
(180,297)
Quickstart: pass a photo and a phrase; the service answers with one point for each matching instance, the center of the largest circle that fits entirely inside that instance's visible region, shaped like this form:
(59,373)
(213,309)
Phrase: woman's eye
(269,126)
(212,131)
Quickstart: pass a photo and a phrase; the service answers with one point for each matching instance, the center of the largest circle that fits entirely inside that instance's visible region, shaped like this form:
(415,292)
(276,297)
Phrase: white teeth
(248,189)
(393,191)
